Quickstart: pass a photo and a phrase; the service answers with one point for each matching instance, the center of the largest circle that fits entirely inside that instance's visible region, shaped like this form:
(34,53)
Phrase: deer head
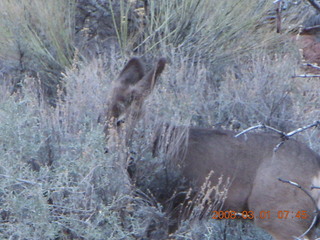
(131,89)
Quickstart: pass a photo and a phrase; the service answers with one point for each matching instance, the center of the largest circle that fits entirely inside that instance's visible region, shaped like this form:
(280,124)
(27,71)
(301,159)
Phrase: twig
(278,145)
(315,124)
(315,218)
(284,136)
(314,4)
(310,64)
(260,126)
(19,179)
(306,29)
(306,76)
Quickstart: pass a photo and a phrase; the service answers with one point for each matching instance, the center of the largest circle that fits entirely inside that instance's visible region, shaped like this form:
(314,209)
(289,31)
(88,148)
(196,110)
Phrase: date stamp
(281,214)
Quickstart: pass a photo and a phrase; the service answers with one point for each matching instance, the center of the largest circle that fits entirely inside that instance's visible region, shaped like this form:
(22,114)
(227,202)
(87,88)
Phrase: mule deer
(249,161)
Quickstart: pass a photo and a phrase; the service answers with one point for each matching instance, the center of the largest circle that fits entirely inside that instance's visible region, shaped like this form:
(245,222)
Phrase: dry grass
(37,39)
(42,27)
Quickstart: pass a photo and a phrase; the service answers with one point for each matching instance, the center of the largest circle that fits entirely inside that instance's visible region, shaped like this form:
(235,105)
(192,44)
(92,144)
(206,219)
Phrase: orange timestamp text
(283,214)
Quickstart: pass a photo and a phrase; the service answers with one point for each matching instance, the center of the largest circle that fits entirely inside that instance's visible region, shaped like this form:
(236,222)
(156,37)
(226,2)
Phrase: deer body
(220,151)
(248,162)
(254,168)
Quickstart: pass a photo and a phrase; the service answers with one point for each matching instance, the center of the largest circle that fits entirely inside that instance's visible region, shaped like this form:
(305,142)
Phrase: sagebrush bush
(55,177)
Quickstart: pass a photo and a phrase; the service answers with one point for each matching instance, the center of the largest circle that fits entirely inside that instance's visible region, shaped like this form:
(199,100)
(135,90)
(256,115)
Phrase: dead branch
(315,124)
(306,76)
(284,136)
(316,212)
(314,4)
(307,29)
(310,64)
(260,126)
(19,180)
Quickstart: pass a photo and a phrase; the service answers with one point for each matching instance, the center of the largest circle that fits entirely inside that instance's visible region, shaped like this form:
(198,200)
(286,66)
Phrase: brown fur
(249,161)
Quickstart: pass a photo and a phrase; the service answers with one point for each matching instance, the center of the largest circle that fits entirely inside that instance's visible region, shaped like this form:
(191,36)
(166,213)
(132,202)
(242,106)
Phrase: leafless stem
(260,126)
(314,4)
(316,212)
(19,179)
(315,124)
(306,76)
(310,64)
(284,136)
(306,29)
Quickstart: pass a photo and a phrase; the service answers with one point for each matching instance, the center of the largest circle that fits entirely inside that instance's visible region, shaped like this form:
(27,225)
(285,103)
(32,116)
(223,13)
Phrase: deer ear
(132,72)
(149,80)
